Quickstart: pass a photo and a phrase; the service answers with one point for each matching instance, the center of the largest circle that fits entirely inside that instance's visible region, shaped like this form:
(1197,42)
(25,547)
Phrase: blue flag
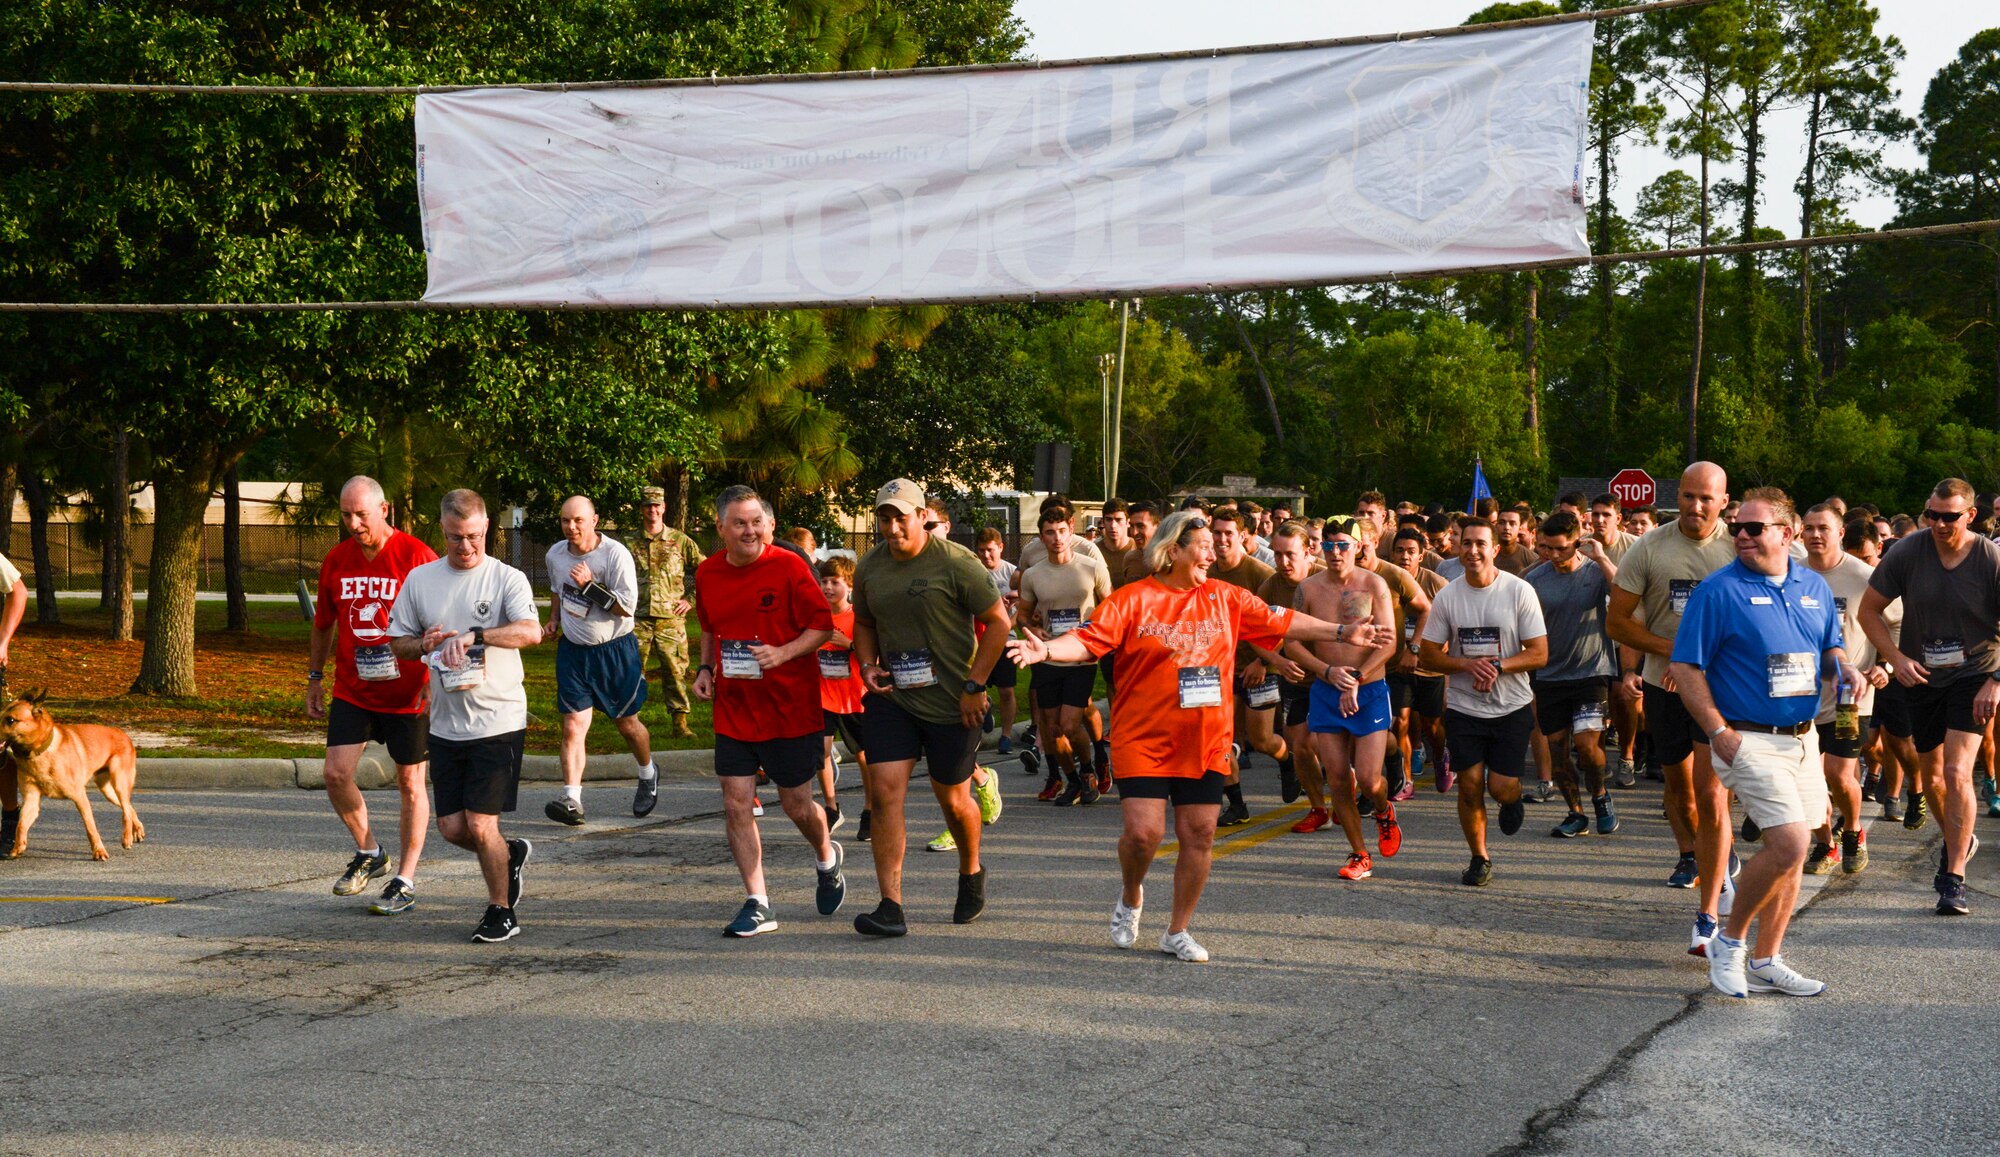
(1479,488)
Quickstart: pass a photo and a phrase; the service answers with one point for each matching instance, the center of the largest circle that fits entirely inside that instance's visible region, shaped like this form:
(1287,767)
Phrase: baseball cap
(902,494)
(653,494)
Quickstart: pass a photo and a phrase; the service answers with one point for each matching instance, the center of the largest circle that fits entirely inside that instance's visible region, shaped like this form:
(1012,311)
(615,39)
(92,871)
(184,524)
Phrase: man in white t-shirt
(13,605)
(1485,631)
(593,590)
(468,615)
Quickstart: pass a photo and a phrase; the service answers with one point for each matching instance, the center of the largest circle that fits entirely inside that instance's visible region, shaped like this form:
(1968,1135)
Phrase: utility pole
(1105,362)
(1125,308)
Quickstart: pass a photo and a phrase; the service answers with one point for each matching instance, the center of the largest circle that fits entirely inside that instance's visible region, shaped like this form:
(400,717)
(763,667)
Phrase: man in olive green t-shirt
(916,596)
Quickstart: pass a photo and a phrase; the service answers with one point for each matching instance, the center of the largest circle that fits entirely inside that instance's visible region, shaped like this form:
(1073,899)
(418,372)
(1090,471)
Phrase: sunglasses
(1753,529)
(1337,544)
(1945,516)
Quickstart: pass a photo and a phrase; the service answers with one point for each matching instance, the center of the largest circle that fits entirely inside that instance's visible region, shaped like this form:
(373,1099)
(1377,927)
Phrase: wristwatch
(479,636)
(974,687)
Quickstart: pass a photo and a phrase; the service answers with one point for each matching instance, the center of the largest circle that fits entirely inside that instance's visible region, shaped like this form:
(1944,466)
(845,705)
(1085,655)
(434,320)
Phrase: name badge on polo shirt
(1760,600)
(1792,674)
(376,664)
(1587,717)
(834,665)
(911,669)
(1944,652)
(1201,687)
(1678,591)
(574,602)
(1264,694)
(738,662)
(467,677)
(1062,622)
(1479,642)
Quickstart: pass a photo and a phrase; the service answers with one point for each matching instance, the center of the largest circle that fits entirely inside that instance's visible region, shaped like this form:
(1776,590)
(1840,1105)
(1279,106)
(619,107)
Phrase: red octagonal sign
(1634,488)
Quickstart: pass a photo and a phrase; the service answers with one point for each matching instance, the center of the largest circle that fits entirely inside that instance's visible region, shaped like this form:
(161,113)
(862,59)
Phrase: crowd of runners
(1791,666)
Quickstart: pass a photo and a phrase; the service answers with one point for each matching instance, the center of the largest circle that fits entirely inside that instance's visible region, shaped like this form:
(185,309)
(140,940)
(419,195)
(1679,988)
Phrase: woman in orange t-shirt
(1175,637)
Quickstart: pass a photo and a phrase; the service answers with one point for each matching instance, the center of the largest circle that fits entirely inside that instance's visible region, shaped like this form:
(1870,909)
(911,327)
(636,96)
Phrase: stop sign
(1634,488)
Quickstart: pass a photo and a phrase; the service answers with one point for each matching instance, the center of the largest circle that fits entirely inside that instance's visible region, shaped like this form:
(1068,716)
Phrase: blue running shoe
(1735,864)
(1704,930)
(1685,873)
(1607,815)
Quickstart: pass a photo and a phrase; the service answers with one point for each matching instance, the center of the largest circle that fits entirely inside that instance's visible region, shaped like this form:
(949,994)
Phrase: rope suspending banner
(1914,233)
(670,82)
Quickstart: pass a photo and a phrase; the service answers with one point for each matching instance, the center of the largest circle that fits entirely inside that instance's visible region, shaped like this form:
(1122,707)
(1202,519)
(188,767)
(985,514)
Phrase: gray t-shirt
(489,595)
(1003,578)
(1487,622)
(583,622)
(1951,618)
(1449,569)
(1573,612)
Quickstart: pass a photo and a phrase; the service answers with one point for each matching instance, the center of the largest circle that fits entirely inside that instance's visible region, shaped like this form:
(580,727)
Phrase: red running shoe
(1103,779)
(1359,867)
(1314,820)
(1388,833)
(1051,789)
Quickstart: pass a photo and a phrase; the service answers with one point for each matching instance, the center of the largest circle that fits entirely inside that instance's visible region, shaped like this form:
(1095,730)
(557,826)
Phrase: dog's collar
(55,738)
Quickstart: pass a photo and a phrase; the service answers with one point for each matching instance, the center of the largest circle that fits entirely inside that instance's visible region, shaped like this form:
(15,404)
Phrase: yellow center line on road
(1249,838)
(86,899)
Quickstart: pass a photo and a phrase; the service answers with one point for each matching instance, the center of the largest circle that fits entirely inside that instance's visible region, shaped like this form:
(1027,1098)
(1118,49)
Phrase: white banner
(1183,175)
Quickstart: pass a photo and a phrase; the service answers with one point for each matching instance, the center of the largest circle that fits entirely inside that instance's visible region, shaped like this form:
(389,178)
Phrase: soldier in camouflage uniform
(664,558)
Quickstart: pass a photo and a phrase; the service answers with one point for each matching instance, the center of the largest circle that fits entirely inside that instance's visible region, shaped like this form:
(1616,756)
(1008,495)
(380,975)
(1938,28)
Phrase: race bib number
(834,665)
(1062,622)
(1840,607)
(1410,635)
(738,662)
(376,664)
(911,669)
(574,602)
(1678,591)
(467,677)
(1587,717)
(1201,687)
(1792,674)
(1944,652)
(1264,694)
(1479,642)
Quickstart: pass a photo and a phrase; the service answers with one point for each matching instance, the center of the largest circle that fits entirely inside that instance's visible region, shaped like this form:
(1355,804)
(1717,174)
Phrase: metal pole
(1118,399)
(1104,364)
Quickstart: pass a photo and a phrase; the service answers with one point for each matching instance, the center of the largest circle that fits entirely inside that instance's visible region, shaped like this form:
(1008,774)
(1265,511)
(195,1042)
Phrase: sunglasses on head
(1753,529)
(1945,516)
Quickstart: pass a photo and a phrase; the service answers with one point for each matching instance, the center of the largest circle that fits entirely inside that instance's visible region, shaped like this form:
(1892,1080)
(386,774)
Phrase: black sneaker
(833,817)
(1233,813)
(1919,809)
(361,869)
(1089,794)
(1031,761)
(499,925)
(864,827)
(1574,824)
(396,899)
(518,852)
(1685,872)
(1365,804)
(1072,795)
(1288,779)
(986,723)
(1750,832)
(1478,873)
(10,823)
(1100,752)
(885,920)
(832,890)
(971,897)
(1892,809)
(1512,816)
(1951,895)
(565,810)
(752,919)
(1871,788)
(646,795)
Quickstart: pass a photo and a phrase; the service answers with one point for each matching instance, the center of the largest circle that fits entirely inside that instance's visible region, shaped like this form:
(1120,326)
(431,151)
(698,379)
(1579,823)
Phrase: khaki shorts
(1778,778)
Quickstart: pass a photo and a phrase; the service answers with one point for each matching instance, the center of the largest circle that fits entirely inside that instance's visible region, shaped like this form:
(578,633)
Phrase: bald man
(593,589)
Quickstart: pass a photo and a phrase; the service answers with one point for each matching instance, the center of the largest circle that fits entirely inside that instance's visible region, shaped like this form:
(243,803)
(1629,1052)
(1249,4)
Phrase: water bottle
(1846,711)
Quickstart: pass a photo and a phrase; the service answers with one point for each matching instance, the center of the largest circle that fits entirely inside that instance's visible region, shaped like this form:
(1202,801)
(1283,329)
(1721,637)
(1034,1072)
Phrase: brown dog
(62,761)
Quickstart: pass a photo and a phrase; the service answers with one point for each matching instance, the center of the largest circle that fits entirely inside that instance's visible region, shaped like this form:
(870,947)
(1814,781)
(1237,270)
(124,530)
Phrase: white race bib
(467,677)
(1062,622)
(1201,687)
(376,664)
(1944,652)
(574,602)
(833,664)
(1264,694)
(1792,674)
(1479,642)
(738,662)
(911,669)
(1678,591)
(1588,717)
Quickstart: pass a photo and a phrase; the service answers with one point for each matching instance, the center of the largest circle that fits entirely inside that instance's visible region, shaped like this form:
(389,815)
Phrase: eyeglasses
(1945,516)
(1753,529)
(465,539)
(1337,544)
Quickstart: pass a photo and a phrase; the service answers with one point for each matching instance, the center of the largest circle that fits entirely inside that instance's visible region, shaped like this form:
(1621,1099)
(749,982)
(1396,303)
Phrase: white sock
(824,865)
(764,901)
(650,771)
(1762,961)
(573,792)
(374,851)
(406,882)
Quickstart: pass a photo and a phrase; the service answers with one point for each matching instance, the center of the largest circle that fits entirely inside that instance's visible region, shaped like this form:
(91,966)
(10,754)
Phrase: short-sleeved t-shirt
(1064,595)
(1618,548)
(1175,646)
(1663,570)
(1431,582)
(1449,569)
(771,601)
(1003,578)
(9,575)
(1404,593)
(839,671)
(1760,642)
(1034,553)
(492,594)
(922,610)
(1951,618)
(1114,560)
(1249,574)
(1489,622)
(1135,567)
(584,622)
(1516,559)
(355,594)
(1849,581)
(1574,613)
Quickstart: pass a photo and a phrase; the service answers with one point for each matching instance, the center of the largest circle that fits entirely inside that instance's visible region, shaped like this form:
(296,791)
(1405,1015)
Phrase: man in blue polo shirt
(1747,659)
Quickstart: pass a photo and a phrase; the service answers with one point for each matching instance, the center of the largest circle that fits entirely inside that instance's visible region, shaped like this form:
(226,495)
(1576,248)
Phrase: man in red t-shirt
(762,619)
(376,696)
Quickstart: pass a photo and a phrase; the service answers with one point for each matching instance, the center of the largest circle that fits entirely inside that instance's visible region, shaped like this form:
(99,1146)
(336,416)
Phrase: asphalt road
(1554,1011)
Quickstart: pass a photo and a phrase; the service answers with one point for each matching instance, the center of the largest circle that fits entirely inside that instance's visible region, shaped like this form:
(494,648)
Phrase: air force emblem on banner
(1424,170)
(604,242)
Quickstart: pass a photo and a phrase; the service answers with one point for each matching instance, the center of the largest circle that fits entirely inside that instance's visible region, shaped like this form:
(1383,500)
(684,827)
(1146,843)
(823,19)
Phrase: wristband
(479,636)
(1718,731)
(708,667)
(315,676)
(1339,634)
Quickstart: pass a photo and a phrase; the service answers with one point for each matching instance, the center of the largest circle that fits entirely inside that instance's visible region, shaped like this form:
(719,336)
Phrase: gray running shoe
(361,869)
(396,899)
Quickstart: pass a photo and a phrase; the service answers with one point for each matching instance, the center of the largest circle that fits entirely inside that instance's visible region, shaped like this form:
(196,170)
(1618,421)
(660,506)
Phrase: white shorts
(1778,778)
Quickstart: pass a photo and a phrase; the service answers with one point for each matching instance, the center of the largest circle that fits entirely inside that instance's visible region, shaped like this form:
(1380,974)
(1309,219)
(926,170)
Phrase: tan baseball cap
(653,494)
(902,494)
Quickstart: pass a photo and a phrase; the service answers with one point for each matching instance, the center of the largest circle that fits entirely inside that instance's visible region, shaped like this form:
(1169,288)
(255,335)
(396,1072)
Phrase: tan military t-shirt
(1663,570)
(1058,598)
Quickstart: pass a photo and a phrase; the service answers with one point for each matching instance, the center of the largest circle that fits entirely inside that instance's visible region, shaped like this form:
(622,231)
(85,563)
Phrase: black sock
(1235,793)
(1392,767)
(1285,764)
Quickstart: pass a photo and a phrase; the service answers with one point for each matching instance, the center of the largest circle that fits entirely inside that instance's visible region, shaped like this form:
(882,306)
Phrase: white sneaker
(1183,946)
(1774,975)
(1727,900)
(1703,932)
(1725,966)
(1125,925)
(756,806)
